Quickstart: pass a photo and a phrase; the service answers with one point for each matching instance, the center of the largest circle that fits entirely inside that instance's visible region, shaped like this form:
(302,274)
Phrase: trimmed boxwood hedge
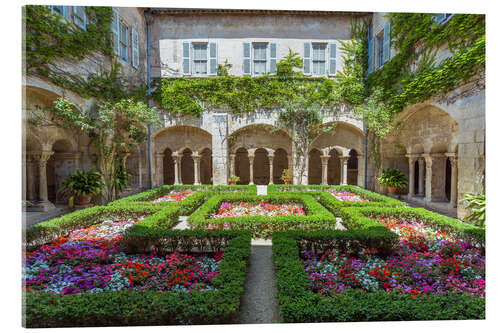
(334,205)
(46,231)
(354,218)
(299,304)
(317,217)
(147,308)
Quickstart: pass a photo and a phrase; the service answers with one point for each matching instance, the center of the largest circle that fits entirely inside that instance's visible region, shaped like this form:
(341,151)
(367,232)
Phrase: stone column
(219,130)
(454,179)
(411,178)
(324,170)
(232,164)
(176,158)
(42,158)
(159,169)
(196,159)
(428,177)
(251,156)
(31,165)
(361,170)
(343,170)
(270,156)
(420,176)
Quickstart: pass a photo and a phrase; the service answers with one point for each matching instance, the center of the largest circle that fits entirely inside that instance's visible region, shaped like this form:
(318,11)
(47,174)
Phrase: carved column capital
(42,157)
(324,160)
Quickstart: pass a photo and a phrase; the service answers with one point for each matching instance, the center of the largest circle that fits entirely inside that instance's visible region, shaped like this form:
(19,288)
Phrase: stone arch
(242,166)
(344,137)
(260,135)
(168,167)
(206,166)
(261,167)
(333,169)
(187,167)
(178,138)
(280,162)
(60,166)
(314,167)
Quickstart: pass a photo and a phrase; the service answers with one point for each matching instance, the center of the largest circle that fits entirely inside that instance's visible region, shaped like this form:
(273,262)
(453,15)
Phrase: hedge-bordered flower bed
(190,203)
(47,231)
(317,217)
(298,303)
(146,307)
(332,203)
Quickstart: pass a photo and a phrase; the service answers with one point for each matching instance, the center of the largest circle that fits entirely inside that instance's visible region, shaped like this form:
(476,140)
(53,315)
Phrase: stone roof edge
(173,11)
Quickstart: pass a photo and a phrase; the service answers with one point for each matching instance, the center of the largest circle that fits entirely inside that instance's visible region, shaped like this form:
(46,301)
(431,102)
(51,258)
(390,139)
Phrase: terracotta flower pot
(232,182)
(82,199)
(288,181)
(391,189)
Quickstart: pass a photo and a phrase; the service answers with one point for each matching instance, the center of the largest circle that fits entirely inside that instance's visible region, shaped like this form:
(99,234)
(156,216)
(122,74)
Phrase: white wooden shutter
(246,58)
(186,64)
(135,48)
(307,58)
(332,59)
(79,17)
(213,63)
(115,34)
(273,52)
(386,55)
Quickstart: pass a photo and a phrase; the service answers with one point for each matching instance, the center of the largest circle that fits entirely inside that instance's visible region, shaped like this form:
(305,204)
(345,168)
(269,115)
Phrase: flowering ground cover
(262,208)
(347,196)
(92,260)
(426,262)
(174,196)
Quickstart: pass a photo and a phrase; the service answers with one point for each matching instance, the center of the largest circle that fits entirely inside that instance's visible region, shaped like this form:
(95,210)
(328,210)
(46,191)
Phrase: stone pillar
(411,178)
(31,165)
(196,159)
(420,176)
(324,170)
(343,170)
(270,155)
(220,141)
(232,164)
(428,177)
(159,169)
(454,179)
(176,158)
(42,158)
(251,156)
(361,170)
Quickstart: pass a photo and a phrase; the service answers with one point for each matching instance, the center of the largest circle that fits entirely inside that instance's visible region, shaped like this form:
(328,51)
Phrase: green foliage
(393,177)
(287,175)
(234,178)
(122,177)
(477,204)
(82,183)
(146,308)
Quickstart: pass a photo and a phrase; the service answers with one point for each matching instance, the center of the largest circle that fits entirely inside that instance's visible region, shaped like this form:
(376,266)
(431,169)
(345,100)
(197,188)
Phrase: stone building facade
(442,147)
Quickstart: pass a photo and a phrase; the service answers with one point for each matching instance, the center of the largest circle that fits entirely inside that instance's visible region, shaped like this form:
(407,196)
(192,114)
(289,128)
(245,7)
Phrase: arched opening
(187,167)
(280,163)
(314,167)
(333,169)
(168,168)
(206,166)
(60,166)
(415,176)
(447,185)
(242,166)
(261,167)
(352,168)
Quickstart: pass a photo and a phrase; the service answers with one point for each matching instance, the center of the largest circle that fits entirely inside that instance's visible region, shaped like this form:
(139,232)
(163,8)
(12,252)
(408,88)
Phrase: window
(59,9)
(123,41)
(200,58)
(79,17)
(259,58)
(318,59)
(380,50)
(442,18)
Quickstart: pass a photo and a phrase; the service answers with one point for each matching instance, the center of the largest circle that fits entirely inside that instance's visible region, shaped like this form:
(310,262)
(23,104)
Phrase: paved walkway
(261,189)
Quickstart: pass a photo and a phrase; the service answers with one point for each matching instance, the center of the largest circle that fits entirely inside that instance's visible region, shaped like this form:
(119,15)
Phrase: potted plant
(394,179)
(233,179)
(82,185)
(287,176)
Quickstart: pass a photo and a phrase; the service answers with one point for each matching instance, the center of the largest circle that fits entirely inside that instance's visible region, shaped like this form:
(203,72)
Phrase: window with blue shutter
(380,51)
(442,17)
(259,57)
(318,58)
(80,17)
(115,33)
(200,58)
(272,57)
(61,10)
(185,58)
(332,59)
(124,41)
(213,58)
(387,43)
(135,48)
(307,58)
(372,55)
(246,58)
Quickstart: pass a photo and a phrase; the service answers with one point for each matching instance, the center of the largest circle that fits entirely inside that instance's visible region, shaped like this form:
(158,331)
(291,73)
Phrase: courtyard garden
(340,253)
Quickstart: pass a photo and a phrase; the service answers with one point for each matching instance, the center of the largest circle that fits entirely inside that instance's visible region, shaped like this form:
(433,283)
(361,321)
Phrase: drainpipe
(149,20)
(366,153)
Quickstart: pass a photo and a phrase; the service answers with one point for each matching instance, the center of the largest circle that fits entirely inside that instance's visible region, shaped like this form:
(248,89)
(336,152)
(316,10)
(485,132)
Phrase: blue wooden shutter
(386,55)
(185,58)
(371,55)
(307,58)
(135,48)
(79,17)
(332,58)
(440,17)
(213,58)
(272,57)
(115,32)
(246,58)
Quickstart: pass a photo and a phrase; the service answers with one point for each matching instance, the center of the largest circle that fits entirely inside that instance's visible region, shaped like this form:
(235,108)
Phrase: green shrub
(298,304)
(317,217)
(393,177)
(148,308)
(477,204)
